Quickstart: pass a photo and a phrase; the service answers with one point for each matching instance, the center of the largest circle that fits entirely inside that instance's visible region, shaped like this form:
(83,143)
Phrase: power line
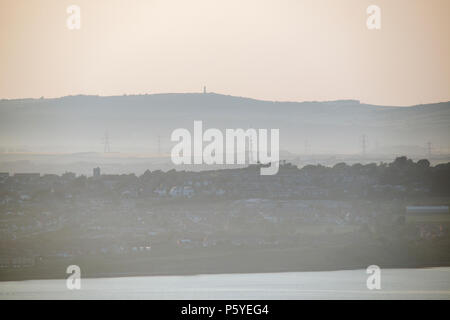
(159,145)
(106,146)
(364,144)
(429,148)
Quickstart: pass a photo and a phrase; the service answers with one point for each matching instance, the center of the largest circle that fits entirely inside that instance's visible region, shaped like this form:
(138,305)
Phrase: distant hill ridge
(78,123)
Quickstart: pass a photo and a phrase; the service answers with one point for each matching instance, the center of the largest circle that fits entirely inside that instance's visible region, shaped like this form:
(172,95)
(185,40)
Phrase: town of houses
(179,210)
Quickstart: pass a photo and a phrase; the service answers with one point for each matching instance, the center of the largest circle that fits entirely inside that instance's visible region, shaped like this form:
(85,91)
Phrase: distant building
(161,191)
(69,175)
(27,177)
(180,191)
(48,178)
(96,172)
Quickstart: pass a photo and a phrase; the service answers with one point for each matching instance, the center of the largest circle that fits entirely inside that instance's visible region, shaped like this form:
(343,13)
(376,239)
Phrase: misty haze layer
(78,123)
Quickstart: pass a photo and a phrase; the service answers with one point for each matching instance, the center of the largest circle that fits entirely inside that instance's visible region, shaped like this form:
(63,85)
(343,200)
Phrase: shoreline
(118,276)
(232,261)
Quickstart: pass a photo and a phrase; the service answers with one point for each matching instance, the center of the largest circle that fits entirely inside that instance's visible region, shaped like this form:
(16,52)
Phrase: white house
(180,191)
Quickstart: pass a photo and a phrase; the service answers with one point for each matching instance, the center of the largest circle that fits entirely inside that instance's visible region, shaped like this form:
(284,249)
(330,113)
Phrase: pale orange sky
(275,50)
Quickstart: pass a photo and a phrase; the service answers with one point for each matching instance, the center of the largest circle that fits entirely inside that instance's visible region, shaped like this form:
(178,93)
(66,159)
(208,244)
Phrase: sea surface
(432,283)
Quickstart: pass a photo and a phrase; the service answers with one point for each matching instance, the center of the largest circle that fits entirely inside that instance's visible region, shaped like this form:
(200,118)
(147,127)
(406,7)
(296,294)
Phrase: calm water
(431,283)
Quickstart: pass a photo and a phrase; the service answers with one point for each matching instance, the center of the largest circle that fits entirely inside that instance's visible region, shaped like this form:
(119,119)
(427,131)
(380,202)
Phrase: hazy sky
(277,50)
